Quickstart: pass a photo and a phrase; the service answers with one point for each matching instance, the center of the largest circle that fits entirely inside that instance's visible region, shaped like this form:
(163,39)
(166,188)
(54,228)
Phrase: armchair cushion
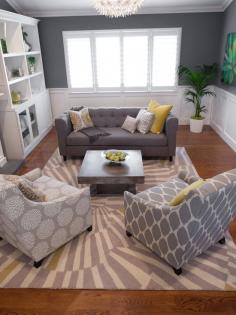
(183,193)
(28,189)
(54,188)
(33,175)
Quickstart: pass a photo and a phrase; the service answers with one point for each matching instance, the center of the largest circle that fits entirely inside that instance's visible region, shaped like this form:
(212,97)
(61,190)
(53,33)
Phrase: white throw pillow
(130,124)
(144,121)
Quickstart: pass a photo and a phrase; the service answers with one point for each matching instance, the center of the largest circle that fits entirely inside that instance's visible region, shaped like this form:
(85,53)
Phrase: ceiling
(84,7)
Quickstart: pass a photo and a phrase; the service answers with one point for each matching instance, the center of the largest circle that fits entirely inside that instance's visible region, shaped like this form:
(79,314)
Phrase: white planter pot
(196,125)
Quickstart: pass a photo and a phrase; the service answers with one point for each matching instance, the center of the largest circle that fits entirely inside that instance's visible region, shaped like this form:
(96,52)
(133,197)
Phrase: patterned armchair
(39,228)
(178,234)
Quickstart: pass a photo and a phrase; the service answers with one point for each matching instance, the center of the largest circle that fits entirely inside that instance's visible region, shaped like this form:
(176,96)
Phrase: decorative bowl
(115,156)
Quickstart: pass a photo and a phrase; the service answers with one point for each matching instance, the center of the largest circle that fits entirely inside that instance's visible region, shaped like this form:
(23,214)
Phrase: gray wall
(229,26)
(200,37)
(5,6)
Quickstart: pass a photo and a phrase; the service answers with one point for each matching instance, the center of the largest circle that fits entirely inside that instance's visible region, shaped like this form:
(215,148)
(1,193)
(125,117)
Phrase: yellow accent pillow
(161,112)
(184,193)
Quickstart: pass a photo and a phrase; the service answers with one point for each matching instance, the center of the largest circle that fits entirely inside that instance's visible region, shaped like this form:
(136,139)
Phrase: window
(124,60)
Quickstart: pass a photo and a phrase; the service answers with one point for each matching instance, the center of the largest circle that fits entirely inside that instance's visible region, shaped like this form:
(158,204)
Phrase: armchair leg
(90,228)
(222,241)
(171,158)
(37,264)
(177,271)
(64,158)
(128,234)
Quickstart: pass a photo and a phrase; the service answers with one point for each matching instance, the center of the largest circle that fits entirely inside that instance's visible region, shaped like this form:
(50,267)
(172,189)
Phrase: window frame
(122,33)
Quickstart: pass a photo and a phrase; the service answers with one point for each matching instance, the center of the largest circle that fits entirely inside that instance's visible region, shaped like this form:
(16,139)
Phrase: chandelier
(117,8)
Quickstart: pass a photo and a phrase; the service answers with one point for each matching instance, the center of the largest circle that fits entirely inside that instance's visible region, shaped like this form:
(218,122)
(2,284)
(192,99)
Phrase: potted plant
(31,64)
(198,81)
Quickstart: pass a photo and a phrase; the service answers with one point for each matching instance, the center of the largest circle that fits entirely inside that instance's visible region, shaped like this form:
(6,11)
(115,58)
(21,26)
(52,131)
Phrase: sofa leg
(1,238)
(128,234)
(64,158)
(222,241)
(178,271)
(90,228)
(37,264)
(171,158)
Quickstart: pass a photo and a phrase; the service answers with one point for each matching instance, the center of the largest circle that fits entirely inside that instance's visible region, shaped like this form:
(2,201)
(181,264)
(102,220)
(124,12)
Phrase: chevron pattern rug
(106,258)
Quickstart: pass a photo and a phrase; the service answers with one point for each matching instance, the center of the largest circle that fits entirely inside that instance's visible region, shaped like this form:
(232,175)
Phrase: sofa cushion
(111,117)
(119,137)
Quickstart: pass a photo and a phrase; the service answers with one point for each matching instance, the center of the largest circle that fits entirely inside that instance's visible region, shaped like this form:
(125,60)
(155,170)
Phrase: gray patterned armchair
(39,228)
(178,234)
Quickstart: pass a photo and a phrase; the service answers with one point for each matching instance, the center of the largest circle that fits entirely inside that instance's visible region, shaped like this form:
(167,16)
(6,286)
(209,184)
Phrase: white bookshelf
(25,110)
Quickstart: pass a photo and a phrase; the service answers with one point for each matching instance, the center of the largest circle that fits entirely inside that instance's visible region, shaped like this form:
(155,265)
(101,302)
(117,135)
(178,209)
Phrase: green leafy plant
(229,65)
(198,81)
(31,60)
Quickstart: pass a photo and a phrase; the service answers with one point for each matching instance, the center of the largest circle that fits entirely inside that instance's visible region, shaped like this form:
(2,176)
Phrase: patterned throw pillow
(27,188)
(130,124)
(80,119)
(144,121)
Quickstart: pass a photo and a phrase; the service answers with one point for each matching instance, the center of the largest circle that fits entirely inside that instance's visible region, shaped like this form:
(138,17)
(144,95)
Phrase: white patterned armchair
(178,234)
(39,228)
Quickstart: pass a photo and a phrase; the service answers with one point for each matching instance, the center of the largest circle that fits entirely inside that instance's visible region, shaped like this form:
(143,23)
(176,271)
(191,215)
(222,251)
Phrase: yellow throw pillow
(184,193)
(80,119)
(161,112)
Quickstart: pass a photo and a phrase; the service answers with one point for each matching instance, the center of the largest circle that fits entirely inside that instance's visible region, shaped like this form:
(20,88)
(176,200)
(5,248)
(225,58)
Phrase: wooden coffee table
(109,178)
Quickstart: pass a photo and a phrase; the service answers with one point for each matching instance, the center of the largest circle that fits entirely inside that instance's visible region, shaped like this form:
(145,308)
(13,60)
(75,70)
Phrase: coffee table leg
(132,189)
(93,190)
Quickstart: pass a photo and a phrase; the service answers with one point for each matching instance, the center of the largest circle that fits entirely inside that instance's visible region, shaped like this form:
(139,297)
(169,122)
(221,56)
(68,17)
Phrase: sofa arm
(170,130)
(64,128)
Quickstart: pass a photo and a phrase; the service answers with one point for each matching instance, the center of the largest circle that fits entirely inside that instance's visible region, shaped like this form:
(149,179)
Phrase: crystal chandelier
(117,8)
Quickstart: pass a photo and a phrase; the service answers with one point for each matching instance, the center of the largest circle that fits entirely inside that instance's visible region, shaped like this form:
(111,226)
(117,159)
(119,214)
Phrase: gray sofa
(111,119)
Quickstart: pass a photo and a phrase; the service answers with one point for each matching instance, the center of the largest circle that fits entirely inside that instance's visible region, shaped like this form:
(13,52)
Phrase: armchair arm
(56,222)
(64,128)
(170,129)
(33,175)
(161,228)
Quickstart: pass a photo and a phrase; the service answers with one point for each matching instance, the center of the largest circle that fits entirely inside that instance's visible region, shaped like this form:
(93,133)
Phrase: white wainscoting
(223,116)
(3,159)
(64,99)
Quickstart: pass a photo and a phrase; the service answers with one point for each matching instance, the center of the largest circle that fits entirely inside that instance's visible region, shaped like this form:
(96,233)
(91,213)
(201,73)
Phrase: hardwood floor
(210,155)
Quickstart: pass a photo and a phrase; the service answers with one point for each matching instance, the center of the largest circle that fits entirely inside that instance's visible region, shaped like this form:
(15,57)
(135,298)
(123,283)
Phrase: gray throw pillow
(144,121)
(130,124)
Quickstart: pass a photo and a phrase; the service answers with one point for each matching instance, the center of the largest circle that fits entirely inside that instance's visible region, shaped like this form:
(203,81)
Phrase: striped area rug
(106,258)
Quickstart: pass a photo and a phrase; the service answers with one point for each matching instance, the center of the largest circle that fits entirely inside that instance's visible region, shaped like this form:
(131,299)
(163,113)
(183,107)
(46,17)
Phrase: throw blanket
(94,133)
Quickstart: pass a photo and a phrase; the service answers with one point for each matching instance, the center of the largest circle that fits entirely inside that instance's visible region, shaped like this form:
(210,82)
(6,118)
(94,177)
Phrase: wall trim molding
(144,10)
(229,100)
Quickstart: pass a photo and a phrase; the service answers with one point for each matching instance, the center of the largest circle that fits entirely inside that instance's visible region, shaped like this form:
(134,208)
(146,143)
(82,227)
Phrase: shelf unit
(25,110)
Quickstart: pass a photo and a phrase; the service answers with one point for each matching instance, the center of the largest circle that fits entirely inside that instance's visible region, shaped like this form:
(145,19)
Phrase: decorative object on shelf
(198,81)
(31,64)
(27,45)
(17,73)
(4,46)
(16,97)
(117,8)
(228,74)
